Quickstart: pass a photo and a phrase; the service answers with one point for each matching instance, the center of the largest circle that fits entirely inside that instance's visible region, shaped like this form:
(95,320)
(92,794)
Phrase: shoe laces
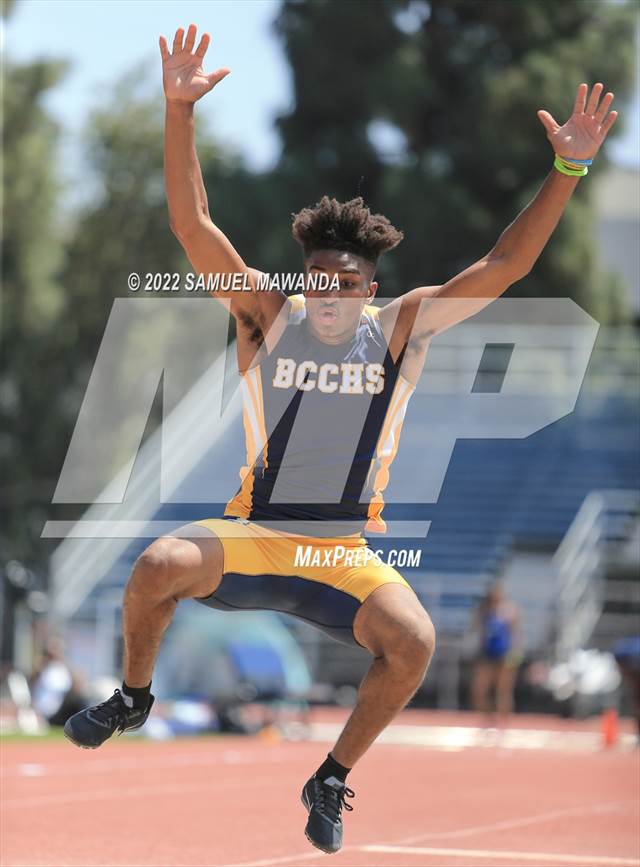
(113,709)
(330,800)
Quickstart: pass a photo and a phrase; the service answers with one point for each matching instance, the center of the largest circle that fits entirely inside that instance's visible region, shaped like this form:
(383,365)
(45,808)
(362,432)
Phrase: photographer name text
(239,281)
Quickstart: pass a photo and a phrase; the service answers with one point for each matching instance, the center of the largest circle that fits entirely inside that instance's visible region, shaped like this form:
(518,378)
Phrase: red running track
(235,801)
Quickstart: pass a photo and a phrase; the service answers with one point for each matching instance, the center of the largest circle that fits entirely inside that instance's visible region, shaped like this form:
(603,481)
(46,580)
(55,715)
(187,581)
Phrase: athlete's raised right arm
(206,246)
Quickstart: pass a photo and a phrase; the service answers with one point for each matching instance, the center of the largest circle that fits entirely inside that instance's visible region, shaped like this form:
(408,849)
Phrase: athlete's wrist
(573,168)
(179,106)
(562,181)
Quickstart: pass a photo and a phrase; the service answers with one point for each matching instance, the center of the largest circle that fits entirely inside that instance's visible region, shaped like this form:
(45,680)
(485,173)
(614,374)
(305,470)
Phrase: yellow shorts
(322,581)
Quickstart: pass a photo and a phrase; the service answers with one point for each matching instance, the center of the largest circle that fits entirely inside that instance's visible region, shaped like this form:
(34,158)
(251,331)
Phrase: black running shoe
(91,727)
(324,799)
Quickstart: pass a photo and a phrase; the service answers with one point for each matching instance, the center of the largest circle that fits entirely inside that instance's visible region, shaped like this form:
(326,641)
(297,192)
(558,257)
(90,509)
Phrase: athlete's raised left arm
(513,256)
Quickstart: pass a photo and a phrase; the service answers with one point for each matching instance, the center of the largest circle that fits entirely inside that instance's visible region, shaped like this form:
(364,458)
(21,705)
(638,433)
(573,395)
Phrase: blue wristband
(576,161)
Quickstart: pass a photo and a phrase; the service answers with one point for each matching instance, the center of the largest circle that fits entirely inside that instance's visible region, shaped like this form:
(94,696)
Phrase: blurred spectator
(627,654)
(55,691)
(497,626)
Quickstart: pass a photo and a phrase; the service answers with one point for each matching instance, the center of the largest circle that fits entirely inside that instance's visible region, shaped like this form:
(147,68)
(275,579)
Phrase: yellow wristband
(566,168)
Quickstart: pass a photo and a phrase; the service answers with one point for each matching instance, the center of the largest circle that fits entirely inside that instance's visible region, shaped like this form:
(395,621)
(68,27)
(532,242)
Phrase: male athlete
(326,378)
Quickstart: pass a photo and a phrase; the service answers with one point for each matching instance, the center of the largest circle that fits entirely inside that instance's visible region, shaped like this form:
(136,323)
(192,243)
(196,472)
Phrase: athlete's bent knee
(152,570)
(411,649)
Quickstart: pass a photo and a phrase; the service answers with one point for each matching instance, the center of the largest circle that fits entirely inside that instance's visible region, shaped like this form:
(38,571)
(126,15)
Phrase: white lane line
(457,738)
(32,770)
(125,792)
(401,847)
(551,857)
(521,822)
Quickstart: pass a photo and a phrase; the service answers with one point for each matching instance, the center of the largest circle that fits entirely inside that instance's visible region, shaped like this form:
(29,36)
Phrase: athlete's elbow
(185,229)
(523,271)
(507,265)
(174,228)
(515,268)
(177,225)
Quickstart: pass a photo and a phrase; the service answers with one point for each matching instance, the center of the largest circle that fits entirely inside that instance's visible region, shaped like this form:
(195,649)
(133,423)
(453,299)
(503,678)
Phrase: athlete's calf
(186,564)
(176,567)
(397,630)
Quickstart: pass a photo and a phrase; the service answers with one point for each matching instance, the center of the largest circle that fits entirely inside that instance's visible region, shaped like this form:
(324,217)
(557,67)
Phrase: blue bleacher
(498,491)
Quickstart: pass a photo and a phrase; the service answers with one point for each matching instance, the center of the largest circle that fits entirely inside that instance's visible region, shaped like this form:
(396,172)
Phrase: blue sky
(104,40)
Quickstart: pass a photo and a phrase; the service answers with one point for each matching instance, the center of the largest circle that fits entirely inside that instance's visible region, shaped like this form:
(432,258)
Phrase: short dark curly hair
(350,226)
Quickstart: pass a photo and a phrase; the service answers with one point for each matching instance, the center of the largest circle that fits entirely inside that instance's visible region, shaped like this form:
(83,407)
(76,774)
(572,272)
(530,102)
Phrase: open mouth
(328,314)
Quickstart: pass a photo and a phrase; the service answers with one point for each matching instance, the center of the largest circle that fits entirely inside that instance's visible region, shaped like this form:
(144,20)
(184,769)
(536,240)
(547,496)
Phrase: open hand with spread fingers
(184,79)
(582,135)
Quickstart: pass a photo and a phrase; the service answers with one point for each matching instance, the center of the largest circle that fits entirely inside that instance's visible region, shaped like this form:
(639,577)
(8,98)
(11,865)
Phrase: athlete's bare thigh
(392,614)
(191,560)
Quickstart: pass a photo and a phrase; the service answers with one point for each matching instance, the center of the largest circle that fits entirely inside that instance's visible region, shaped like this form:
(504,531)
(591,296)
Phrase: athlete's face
(334,313)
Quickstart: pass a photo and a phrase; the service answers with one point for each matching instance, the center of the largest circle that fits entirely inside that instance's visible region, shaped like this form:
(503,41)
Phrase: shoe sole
(70,737)
(310,839)
(77,743)
(321,848)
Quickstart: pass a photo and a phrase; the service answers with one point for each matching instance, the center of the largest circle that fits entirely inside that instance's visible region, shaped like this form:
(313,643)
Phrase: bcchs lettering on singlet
(322,424)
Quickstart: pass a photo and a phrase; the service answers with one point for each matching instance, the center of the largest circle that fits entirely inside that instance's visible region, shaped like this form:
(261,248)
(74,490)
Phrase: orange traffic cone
(610,727)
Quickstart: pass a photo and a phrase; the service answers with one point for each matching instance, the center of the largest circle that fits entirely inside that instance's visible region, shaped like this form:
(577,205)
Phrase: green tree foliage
(32,254)
(454,86)
(124,225)
(458,82)
(6,8)
(59,287)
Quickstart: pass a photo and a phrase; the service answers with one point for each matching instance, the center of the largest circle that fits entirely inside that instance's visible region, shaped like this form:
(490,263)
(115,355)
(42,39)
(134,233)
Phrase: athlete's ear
(373,288)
